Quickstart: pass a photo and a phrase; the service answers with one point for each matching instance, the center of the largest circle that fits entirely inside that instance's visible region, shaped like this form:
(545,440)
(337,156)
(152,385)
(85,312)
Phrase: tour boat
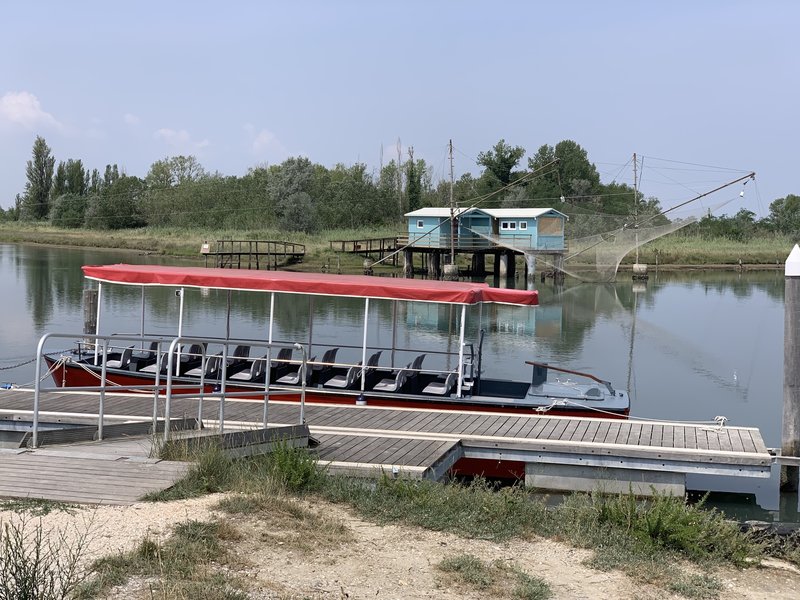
(264,366)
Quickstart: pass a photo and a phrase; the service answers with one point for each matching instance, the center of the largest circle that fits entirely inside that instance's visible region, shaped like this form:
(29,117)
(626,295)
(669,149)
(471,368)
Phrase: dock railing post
(790,441)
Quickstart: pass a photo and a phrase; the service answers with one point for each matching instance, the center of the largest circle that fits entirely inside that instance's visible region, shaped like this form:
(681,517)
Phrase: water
(689,346)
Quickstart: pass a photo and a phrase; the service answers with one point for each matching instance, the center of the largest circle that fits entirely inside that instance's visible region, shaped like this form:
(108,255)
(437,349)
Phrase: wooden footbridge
(375,248)
(252,254)
(560,453)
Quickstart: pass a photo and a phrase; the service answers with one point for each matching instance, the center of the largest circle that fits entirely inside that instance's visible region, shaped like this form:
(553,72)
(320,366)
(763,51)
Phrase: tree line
(298,195)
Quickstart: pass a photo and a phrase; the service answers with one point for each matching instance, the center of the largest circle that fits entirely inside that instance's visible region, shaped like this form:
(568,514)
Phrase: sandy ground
(377,561)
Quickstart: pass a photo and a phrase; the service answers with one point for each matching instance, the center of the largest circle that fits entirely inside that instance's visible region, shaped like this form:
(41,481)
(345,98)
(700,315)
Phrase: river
(690,346)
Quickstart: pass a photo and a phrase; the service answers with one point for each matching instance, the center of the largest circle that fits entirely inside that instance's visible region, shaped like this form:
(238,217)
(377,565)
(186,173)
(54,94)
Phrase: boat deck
(426,443)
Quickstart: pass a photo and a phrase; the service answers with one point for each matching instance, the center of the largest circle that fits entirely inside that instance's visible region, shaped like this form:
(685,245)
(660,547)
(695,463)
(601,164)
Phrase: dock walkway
(555,452)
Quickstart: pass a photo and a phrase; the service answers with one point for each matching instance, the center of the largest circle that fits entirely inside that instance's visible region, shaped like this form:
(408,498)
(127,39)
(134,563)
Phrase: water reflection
(689,345)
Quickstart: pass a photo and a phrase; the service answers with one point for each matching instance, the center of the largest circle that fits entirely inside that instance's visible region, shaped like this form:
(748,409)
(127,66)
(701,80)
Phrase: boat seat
(327,358)
(239,354)
(254,373)
(161,367)
(440,388)
(142,354)
(393,384)
(372,364)
(124,359)
(194,352)
(211,369)
(293,377)
(415,366)
(345,380)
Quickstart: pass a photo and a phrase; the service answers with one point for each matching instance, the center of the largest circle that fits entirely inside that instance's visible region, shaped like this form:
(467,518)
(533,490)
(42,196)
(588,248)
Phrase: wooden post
(511,264)
(479,264)
(790,443)
(433,266)
(408,263)
(89,316)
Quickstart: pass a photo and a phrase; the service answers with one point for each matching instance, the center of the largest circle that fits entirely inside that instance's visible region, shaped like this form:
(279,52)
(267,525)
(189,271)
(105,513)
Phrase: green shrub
(37,564)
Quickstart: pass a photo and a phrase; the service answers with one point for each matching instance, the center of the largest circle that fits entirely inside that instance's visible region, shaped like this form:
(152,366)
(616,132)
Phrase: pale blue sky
(243,83)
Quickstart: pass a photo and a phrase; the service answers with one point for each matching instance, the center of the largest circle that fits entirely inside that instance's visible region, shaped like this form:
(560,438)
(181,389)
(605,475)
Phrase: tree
(498,172)
(68,210)
(75,178)
(413,183)
(39,171)
(501,161)
(784,215)
(297,213)
(60,180)
(573,176)
(117,206)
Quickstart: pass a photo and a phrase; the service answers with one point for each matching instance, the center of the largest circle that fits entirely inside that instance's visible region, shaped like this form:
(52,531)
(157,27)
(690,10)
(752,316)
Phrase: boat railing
(221,392)
(101,345)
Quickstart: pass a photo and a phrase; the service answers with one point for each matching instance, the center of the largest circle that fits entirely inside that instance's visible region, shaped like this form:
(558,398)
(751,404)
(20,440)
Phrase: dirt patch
(346,557)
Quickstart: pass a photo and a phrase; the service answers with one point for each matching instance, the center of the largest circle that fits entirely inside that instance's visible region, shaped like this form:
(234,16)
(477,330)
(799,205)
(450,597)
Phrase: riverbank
(316,549)
(670,252)
(279,526)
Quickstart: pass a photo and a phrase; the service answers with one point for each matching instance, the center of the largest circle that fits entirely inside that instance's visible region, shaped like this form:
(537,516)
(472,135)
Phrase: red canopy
(354,286)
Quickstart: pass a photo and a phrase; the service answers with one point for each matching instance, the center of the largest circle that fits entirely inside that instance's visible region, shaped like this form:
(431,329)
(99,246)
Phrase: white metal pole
(364,345)
(269,358)
(461,349)
(141,327)
(97,319)
(180,332)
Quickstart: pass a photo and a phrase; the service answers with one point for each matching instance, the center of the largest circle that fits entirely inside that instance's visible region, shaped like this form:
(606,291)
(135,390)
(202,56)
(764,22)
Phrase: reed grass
(668,250)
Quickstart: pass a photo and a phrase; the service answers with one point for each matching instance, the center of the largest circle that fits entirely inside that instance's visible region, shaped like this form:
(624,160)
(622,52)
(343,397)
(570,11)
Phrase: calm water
(689,346)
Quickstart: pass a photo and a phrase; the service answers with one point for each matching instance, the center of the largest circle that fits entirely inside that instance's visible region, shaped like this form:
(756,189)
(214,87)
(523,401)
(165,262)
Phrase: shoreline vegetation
(677,251)
(474,539)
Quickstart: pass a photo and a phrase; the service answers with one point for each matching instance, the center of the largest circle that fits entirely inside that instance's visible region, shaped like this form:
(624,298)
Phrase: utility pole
(399,177)
(635,208)
(452,211)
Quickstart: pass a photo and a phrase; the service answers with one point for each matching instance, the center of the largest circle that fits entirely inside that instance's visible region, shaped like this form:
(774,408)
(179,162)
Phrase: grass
(673,249)
(180,567)
(494,579)
(284,469)
(281,520)
(648,540)
(36,507)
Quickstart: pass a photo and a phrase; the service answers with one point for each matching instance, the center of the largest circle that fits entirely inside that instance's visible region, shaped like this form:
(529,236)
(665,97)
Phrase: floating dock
(551,453)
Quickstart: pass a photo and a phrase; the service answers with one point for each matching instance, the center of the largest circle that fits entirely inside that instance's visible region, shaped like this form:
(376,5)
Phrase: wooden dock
(87,473)
(252,254)
(551,452)
(376,248)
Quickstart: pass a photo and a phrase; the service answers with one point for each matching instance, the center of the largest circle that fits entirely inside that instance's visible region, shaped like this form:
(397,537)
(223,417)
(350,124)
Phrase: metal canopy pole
(141,327)
(394,329)
(364,346)
(97,318)
(180,332)
(224,366)
(310,322)
(269,358)
(461,350)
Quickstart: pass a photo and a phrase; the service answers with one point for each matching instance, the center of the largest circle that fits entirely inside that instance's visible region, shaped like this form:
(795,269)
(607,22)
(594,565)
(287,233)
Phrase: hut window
(420,224)
(523,225)
(508,224)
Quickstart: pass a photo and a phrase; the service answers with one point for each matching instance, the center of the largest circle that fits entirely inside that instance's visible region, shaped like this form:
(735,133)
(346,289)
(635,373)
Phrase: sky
(240,84)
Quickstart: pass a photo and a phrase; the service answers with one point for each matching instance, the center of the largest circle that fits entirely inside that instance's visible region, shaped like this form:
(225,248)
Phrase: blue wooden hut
(484,228)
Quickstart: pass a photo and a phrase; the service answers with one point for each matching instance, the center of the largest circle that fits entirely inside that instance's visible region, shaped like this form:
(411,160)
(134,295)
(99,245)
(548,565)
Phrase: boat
(259,367)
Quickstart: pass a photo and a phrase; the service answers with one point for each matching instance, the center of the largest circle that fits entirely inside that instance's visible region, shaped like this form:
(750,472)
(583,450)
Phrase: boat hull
(76,374)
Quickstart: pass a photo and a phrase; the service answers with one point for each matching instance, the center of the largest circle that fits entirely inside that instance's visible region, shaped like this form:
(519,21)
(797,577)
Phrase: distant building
(477,229)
